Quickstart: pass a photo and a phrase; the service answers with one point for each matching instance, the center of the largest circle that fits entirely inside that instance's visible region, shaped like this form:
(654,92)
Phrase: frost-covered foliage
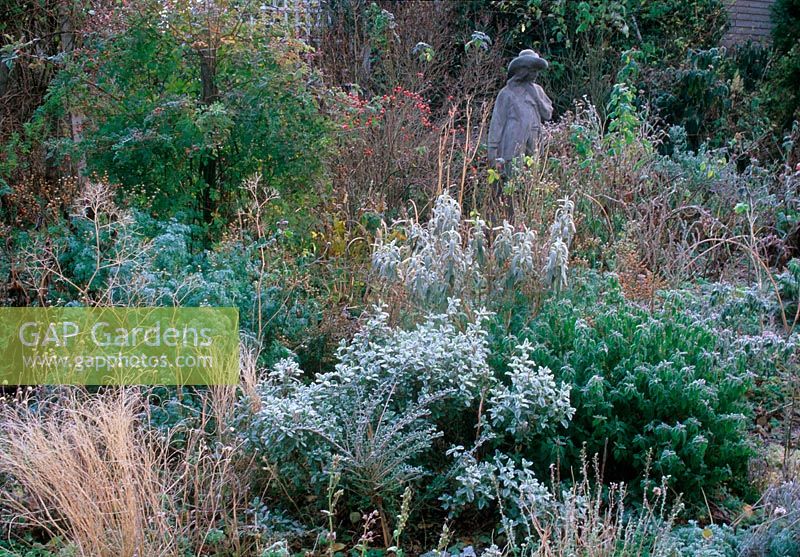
(573,520)
(584,517)
(109,255)
(749,324)
(737,310)
(86,260)
(482,483)
(789,288)
(448,257)
(175,273)
(561,233)
(444,352)
(395,402)
(532,404)
(779,533)
(703,541)
(649,387)
(590,519)
(376,437)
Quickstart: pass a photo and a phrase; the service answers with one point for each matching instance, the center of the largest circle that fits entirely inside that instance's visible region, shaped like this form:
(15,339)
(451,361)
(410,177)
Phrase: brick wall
(749,20)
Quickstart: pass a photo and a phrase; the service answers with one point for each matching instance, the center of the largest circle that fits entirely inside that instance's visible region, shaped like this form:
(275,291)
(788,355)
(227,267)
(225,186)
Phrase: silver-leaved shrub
(482,483)
(532,403)
(452,257)
(399,406)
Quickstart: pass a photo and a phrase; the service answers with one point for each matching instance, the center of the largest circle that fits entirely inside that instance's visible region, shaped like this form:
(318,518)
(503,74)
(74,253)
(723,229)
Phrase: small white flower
(779,511)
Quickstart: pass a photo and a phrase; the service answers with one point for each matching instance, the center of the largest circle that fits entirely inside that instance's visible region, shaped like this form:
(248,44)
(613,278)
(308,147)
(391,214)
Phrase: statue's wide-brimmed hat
(527,59)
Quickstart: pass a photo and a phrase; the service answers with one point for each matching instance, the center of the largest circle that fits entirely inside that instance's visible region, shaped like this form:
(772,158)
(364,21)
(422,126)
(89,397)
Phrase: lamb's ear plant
(334,494)
(402,520)
(454,257)
(444,539)
(561,233)
(533,404)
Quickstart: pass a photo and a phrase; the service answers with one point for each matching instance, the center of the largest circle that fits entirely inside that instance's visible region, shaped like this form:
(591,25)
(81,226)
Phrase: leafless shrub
(351,53)
(588,519)
(690,214)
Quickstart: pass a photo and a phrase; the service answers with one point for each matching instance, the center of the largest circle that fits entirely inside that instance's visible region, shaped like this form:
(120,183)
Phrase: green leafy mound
(654,389)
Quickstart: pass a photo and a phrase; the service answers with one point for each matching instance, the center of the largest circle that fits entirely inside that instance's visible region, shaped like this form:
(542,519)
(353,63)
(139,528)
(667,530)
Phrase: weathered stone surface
(520,108)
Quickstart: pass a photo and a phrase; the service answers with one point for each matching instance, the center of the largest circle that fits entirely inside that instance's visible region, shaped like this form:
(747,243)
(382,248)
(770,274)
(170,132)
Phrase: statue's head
(526,66)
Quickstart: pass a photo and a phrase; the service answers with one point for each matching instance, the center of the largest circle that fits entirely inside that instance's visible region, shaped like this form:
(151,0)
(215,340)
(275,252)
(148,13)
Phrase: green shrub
(647,386)
(699,98)
(780,90)
(105,254)
(582,39)
(786,19)
(789,288)
(180,113)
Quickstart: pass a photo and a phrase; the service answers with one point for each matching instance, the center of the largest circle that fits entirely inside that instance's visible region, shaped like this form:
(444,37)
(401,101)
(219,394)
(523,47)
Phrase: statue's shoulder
(508,92)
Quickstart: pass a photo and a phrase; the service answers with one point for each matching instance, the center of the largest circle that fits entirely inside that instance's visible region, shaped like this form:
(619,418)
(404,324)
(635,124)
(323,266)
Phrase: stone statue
(519,111)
